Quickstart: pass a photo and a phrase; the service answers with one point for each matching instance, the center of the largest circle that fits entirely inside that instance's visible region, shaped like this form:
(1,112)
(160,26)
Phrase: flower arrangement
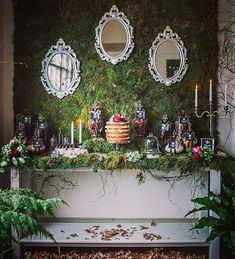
(119,117)
(13,154)
(134,156)
(202,153)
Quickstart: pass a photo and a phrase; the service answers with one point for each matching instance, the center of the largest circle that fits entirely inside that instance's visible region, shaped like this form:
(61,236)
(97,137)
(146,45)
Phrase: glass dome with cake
(117,129)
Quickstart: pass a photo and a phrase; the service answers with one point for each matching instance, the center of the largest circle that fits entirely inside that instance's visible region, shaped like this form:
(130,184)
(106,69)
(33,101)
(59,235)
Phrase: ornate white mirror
(60,70)
(114,37)
(168,58)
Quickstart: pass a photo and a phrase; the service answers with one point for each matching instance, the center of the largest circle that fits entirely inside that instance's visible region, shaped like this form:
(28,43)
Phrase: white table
(116,198)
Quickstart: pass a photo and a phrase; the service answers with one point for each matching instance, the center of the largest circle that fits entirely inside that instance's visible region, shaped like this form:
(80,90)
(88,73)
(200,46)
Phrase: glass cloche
(152,146)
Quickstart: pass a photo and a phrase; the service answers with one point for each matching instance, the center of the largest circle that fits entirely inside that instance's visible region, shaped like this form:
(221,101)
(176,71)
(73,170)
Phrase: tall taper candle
(210,92)
(72,133)
(196,103)
(225,95)
(80,131)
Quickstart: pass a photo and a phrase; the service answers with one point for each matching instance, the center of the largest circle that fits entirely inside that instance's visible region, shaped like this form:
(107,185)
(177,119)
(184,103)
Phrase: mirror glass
(114,38)
(167,59)
(60,71)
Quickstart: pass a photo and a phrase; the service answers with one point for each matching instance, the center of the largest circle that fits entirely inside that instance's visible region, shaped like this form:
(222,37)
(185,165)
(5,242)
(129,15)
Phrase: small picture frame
(208,142)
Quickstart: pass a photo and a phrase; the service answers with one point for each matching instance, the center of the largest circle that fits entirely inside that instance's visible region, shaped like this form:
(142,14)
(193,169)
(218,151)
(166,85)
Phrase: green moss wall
(39,24)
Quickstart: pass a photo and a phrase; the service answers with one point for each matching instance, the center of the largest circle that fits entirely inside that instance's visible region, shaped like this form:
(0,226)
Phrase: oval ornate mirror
(114,37)
(60,70)
(168,58)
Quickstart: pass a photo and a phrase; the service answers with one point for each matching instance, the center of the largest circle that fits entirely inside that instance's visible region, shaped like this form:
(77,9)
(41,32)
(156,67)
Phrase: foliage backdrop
(39,24)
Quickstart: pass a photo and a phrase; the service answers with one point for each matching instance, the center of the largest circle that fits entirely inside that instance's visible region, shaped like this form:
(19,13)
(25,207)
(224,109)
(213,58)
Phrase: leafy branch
(223,206)
(19,209)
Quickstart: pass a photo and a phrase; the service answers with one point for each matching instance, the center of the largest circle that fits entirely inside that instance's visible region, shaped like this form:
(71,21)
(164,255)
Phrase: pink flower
(197,152)
(116,117)
(119,117)
(196,156)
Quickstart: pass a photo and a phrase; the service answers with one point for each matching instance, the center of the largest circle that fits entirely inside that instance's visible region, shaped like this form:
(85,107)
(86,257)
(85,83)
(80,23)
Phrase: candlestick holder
(210,114)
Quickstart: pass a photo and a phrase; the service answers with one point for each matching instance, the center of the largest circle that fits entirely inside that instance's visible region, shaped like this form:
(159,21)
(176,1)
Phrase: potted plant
(223,205)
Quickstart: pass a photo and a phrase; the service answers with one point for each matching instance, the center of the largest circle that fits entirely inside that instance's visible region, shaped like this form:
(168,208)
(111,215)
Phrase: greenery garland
(185,164)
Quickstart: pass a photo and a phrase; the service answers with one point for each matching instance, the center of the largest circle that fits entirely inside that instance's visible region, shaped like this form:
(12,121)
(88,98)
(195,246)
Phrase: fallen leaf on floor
(119,254)
(143,227)
(74,235)
(121,232)
(151,236)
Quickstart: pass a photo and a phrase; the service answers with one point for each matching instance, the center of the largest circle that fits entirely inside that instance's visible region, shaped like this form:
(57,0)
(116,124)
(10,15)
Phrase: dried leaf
(120,254)
(143,227)
(151,236)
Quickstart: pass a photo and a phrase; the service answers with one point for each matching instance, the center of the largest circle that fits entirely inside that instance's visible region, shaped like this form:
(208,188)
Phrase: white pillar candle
(210,92)
(196,92)
(72,133)
(80,131)
(225,95)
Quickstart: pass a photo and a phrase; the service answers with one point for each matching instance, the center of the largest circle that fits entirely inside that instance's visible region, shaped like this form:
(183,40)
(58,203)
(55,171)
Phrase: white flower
(133,156)
(19,148)
(22,161)
(13,142)
(3,163)
(14,161)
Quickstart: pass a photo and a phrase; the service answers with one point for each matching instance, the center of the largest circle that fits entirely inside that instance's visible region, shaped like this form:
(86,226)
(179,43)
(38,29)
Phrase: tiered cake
(117,130)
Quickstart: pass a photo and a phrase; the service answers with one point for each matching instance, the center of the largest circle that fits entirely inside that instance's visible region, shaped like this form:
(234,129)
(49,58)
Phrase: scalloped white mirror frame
(168,35)
(119,16)
(60,48)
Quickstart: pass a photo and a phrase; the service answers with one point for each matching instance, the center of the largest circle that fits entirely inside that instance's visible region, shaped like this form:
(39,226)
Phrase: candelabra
(210,113)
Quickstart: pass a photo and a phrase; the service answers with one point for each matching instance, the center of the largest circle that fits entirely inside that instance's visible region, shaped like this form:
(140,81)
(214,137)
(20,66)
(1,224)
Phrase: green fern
(19,209)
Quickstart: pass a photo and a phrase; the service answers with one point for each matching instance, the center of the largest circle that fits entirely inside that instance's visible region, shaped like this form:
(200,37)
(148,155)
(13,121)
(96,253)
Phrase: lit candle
(72,133)
(80,131)
(196,89)
(225,96)
(210,92)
